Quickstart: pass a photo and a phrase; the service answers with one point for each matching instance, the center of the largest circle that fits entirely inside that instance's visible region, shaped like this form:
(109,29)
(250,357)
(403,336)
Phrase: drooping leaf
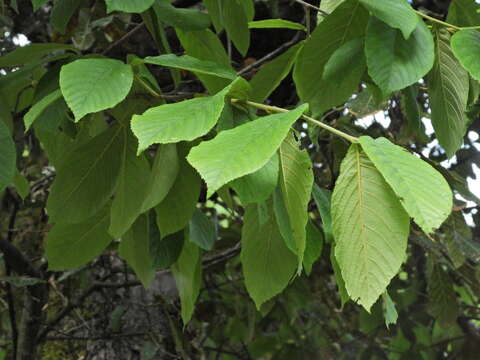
(464,13)
(21,185)
(342,291)
(201,230)
(135,249)
(341,77)
(370,228)
(62,12)
(267,263)
(270,75)
(448,86)
(177,208)
(182,121)
(29,53)
(442,297)
(8,156)
(185,19)
(131,188)
(215,11)
(242,150)
(322,198)
(313,248)
(72,245)
(187,272)
(396,13)
(466,47)
(389,311)
(91,85)
(162,177)
(347,22)
(235,21)
(365,103)
(86,178)
(393,62)
(37,109)
(423,191)
(165,251)
(259,185)
(131,6)
(295,182)
(205,45)
(275,24)
(190,63)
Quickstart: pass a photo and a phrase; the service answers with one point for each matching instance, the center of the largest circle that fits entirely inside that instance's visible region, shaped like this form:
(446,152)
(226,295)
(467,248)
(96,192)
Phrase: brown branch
(124,38)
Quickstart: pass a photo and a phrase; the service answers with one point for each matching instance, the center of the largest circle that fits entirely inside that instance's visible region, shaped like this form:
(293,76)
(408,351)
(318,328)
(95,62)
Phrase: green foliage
(370,228)
(202,156)
(91,85)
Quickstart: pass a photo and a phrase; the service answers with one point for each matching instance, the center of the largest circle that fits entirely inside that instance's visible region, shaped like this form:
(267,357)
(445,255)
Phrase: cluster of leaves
(133,171)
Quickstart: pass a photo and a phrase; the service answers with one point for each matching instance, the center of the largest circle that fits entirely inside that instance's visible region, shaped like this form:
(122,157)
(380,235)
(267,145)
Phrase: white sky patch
(378,117)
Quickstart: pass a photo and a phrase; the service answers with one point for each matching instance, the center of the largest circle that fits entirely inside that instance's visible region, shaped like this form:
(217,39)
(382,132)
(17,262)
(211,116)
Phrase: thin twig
(270,56)
(124,38)
(304,3)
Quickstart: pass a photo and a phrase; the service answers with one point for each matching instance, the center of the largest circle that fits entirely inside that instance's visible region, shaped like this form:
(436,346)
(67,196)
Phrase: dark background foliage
(101,311)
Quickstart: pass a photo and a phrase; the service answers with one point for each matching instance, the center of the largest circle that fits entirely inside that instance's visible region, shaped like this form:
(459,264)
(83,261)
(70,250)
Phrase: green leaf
(214,8)
(86,178)
(201,230)
(389,311)
(396,13)
(91,85)
(448,85)
(322,198)
(165,251)
(342,291)
(313,248)
(190,63)
(131,188)
(365,103)
(236,24)
(187,272)
(340,77)
(466,47)
(270,75)
(29,53)
(370,228)
(8,156)
(422,190)
(72,245)
(182,121)
(347,22)
(259,185)
(37,109)
(242,150)
(162,177)
(135,249)
(62,12)
(131,6)
(174,212)
(296,181)
(37,4)
(442,297)
(393,62)
(464,13)
(185,19)
(268,265)
(205,45)
(275,24)
(21,185)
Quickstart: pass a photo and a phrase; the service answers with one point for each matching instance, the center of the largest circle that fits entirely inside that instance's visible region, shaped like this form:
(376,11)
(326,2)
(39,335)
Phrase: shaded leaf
(73,245)
(313,247)
(8,156)
(131,6)
(235,21)
(37,109)
(135,249)
(275,24)
(267,263)
(448,86)
(201,230)
(393,62)
(322,198)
